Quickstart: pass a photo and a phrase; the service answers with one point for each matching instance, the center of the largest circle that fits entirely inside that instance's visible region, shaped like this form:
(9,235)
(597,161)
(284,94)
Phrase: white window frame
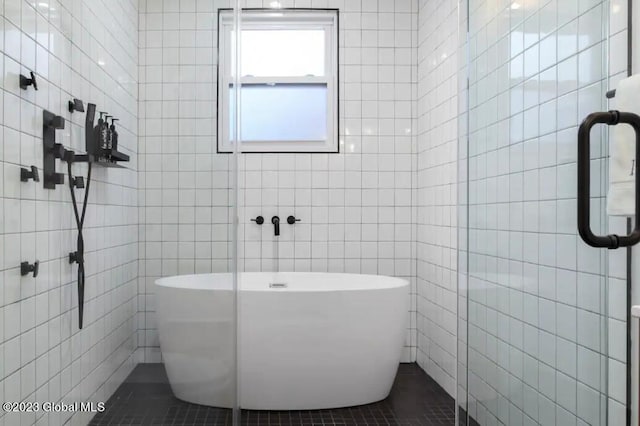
(289,19)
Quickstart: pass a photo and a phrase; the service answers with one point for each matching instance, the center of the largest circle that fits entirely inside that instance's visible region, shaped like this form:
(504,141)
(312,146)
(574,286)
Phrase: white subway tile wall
(436,182)
(356,208)
(87,50)
(538,320)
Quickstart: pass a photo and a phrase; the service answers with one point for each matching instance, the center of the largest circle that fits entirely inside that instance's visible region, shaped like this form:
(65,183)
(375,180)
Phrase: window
(288,79)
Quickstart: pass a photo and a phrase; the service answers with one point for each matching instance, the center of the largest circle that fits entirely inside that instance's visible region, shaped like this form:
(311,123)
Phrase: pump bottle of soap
(113,145)
(106,125)
(103,131)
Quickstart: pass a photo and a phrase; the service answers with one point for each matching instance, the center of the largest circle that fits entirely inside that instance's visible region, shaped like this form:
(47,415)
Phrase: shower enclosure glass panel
(234,135)
(533,299)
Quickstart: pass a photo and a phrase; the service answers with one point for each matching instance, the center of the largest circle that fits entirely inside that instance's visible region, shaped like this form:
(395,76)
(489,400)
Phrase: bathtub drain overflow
(277,285)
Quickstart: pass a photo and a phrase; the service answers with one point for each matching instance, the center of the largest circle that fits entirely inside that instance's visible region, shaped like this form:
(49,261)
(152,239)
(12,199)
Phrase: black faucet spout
(276,225)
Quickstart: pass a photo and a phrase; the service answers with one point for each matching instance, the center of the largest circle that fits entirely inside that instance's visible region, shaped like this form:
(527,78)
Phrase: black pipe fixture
(25,82)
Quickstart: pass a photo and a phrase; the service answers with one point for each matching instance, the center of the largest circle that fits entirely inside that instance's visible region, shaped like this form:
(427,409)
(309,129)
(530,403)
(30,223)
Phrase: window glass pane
(283,113)
(283,53)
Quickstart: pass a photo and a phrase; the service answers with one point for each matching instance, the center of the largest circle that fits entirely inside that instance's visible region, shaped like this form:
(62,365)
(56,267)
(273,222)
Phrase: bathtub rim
(344,283)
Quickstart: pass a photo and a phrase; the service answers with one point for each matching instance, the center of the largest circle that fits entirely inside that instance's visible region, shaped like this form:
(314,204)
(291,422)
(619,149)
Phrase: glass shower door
(535,311)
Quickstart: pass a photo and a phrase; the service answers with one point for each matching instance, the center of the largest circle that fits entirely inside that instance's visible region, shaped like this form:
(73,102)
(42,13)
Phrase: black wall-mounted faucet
(276,225)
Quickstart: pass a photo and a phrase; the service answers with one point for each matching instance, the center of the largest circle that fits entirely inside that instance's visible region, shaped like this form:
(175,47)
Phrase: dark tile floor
(145,398)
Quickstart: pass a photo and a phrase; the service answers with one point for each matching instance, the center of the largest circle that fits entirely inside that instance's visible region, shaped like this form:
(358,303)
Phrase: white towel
(621,197)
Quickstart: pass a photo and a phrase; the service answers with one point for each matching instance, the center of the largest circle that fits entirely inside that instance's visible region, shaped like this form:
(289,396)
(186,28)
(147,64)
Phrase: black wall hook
(26,174)
(76,105)
(25,82)
(27,268)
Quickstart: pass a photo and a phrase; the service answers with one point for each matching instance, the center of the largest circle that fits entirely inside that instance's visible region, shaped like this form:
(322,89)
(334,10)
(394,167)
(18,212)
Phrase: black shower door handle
(610,118)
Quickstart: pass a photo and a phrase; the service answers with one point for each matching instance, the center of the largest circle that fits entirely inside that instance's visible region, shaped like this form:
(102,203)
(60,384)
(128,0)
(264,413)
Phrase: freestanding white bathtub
(305,340)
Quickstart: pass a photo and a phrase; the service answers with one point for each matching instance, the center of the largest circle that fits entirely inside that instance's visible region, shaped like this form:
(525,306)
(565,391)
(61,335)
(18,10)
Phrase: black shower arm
(612,241)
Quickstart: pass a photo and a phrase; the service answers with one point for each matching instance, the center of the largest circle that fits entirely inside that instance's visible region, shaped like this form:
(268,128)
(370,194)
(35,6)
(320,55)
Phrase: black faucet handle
(76,105)
(259,220)
(34,174)
(26,268)
(292,219)
(34,82)
(26,174)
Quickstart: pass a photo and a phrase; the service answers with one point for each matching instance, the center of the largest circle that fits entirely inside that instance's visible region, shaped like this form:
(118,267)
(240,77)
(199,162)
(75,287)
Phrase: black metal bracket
(74,257)
(610,118)
(50,149)
(26,268)
(26,174)
(25,82)
(78,182)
